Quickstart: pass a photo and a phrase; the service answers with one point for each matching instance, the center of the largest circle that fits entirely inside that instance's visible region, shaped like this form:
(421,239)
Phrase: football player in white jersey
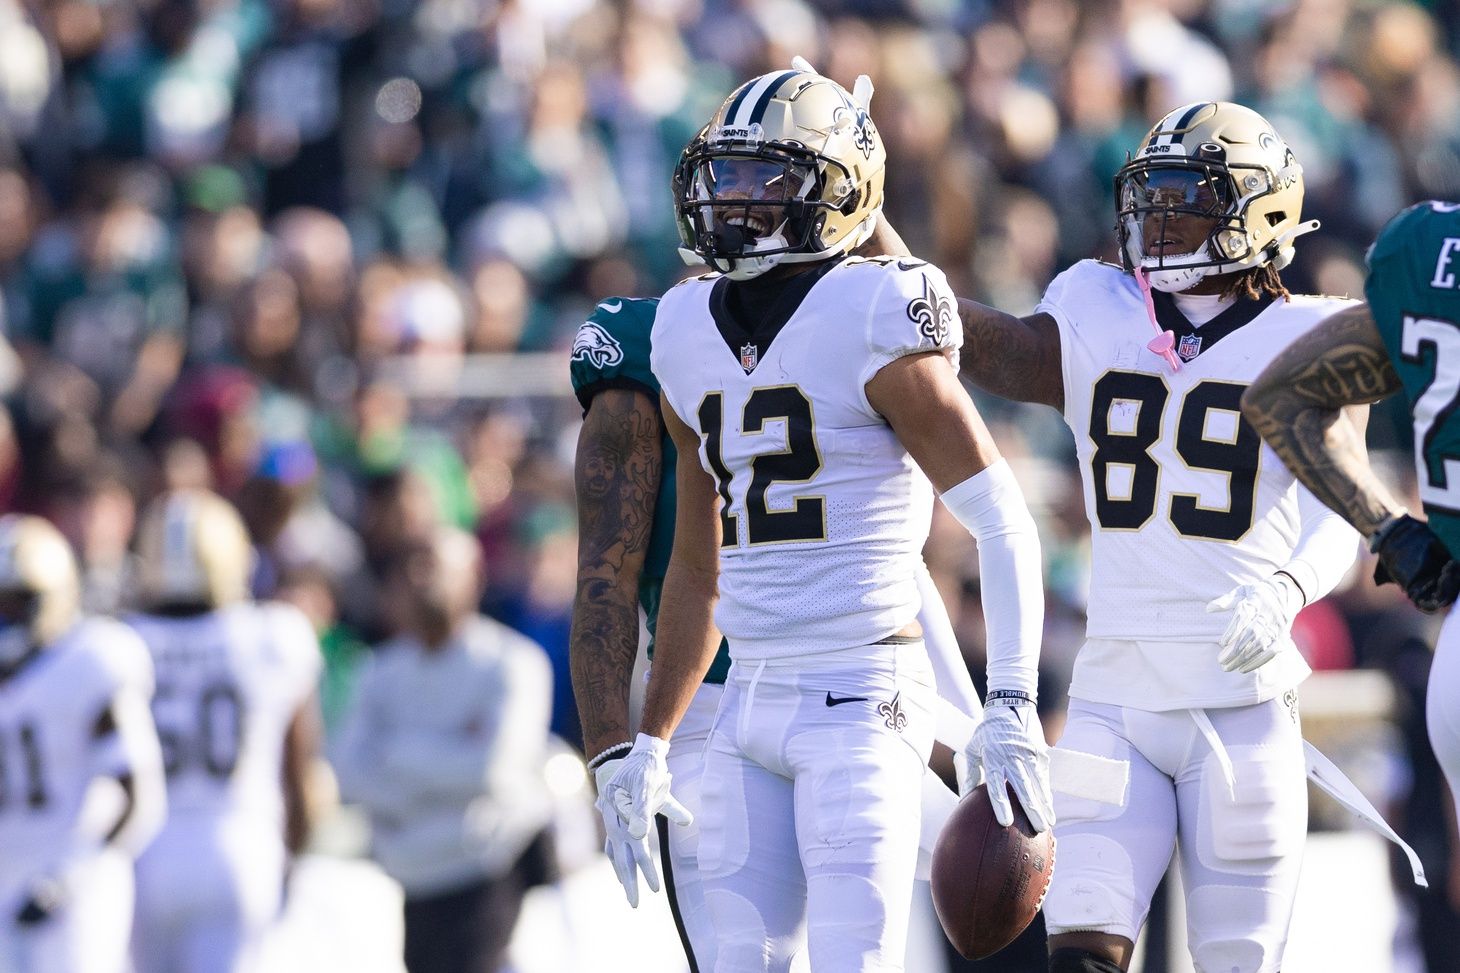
(235,710)
(1183,721)
(819,395)
(625,486)
(81,787)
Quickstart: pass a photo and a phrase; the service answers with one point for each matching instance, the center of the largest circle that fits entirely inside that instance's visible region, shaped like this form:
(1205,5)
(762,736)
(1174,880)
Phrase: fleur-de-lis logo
(932,313)
(864,137)
(894,717)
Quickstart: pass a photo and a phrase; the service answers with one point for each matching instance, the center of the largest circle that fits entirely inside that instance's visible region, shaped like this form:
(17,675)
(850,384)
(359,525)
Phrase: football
(988,881)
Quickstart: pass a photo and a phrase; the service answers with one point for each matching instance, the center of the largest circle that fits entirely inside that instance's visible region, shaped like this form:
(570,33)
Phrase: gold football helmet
(1211,160)
(789,170)
(194,551)
(40,587)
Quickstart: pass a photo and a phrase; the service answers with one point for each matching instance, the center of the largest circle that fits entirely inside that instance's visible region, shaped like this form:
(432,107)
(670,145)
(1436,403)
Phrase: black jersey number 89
(1237,458)
(798,462)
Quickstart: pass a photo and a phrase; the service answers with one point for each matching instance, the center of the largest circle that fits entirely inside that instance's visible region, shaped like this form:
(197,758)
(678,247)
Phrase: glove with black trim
(1411,556)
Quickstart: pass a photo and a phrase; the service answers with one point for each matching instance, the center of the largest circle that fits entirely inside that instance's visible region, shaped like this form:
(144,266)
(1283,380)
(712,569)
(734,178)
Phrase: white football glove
(1010,745)
(628,857)
(1261,623)
(629,795)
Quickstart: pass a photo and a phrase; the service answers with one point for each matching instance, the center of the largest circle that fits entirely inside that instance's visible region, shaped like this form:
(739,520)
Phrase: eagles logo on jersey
(595,345)
(1211,160)
(39,587)
(789,170)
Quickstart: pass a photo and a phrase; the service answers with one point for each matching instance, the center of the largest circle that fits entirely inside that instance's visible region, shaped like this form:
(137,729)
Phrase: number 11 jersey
(1184,499)
(823,512)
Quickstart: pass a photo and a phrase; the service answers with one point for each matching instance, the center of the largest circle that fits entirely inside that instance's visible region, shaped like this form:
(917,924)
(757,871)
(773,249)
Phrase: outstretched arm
(1014,358)
(1296,405)
(618,468)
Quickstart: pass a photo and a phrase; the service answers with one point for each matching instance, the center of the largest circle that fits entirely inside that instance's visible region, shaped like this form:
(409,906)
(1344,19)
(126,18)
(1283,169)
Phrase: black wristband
(1007,697)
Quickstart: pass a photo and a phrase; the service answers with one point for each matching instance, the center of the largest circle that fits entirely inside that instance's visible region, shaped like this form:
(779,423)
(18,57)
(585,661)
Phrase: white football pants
(88,934)
(1442,702)
(1228,784)
(207,894)
(679,846)
(811,801)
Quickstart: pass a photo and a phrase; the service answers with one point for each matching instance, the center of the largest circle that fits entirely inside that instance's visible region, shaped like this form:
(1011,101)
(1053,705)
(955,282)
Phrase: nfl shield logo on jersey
(749,357)
(1189,347)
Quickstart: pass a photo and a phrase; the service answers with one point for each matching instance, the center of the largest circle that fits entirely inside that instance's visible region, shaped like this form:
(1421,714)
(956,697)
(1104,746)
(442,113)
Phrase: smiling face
(763,186)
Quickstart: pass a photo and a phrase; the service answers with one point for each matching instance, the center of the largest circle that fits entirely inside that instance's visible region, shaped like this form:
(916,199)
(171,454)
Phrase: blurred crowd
(261,244)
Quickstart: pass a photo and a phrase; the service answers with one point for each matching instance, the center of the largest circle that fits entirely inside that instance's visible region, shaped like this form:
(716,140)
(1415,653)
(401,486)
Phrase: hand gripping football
(988,881)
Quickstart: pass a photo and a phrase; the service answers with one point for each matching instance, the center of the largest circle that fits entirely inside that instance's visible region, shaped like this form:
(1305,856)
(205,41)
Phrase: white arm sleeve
(991,506)
(1327,547)
(950,671)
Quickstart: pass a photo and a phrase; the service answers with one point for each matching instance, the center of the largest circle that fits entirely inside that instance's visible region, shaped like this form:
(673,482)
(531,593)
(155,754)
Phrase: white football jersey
(49,712)
(1185,500)
(823,512)
(228,685)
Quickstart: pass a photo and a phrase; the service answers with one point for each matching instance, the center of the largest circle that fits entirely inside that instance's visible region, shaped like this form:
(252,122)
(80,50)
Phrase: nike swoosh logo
(616,307)
(838,700)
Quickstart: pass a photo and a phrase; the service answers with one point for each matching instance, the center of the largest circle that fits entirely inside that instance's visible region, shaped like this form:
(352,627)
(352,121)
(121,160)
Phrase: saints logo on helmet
(194,552)
(1216,161)
(789,170)
(40,588)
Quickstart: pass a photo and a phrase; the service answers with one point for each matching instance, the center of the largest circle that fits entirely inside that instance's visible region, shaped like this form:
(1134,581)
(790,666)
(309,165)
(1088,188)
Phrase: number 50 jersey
(228,685)
(1185,501)
(823,512)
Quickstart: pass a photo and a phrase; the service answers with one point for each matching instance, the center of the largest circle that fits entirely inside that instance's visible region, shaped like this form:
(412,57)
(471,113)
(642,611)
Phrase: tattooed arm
(1295,405)
(1014,358)
(617,472)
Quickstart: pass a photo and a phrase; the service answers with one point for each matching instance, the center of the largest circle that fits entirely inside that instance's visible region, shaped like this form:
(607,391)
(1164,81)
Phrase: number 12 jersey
(823,512)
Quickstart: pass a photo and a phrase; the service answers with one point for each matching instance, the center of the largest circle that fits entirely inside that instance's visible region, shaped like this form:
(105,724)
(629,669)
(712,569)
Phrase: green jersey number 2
(1439,472)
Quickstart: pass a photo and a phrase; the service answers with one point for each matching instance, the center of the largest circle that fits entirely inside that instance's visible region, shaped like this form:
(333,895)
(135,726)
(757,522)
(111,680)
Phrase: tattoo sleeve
(1296,405)
(619,463)
(1014,358)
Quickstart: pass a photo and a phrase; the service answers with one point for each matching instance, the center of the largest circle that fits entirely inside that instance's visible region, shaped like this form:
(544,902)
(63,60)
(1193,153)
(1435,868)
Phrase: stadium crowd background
(262,244)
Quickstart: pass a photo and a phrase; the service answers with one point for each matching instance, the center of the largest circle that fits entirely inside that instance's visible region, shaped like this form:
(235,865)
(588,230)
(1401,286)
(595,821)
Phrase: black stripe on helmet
(758,112)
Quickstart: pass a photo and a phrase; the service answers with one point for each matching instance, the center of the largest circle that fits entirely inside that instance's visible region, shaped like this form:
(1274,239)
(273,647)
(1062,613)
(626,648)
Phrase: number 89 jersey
(1414,295)
(1185,501)
(823,513)
(228,685)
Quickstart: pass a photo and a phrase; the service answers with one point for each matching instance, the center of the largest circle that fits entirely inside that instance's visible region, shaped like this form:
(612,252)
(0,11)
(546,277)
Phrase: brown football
(988,881)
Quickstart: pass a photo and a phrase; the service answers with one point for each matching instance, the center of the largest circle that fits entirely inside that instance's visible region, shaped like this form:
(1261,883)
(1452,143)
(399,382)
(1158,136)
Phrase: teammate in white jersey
(1183,721)
(235,709)
(819,394)
(81,788)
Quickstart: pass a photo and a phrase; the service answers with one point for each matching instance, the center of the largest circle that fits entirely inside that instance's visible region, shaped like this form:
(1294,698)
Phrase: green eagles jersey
(1413,291)
(611,351)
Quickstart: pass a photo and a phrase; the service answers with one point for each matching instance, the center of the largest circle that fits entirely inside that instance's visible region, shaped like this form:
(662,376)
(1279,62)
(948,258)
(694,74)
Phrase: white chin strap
(751,266)
(1173,280)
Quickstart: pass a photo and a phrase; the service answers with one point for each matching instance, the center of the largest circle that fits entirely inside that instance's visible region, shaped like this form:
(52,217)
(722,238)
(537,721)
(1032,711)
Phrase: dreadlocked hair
(1253,284)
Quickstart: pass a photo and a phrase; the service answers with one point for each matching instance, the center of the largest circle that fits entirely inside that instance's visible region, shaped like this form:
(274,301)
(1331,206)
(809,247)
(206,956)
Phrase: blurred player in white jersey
(236,713)
(1183,722)
(818,395)
(81,788)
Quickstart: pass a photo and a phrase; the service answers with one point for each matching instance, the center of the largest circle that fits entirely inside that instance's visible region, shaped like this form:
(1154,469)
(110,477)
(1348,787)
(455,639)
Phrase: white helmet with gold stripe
(40,587)
(194,552)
